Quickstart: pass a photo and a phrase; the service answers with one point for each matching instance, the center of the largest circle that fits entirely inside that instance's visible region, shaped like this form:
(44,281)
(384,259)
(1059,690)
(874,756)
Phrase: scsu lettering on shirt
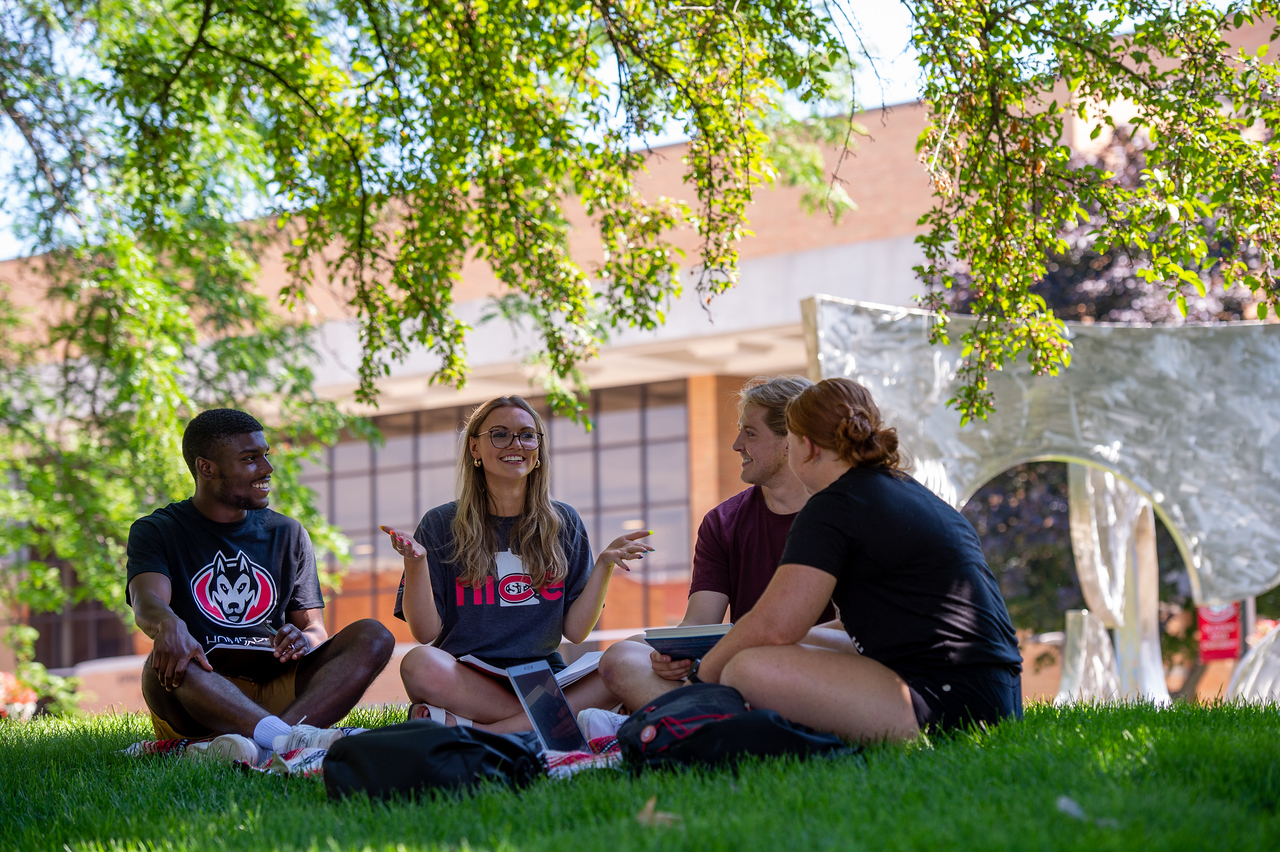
(512,590)
(480,595)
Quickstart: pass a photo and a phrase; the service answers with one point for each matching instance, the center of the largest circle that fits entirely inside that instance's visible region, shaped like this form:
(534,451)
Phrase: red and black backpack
(706,724)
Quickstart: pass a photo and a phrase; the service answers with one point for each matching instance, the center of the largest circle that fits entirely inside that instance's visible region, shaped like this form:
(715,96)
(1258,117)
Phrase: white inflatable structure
(1182,422)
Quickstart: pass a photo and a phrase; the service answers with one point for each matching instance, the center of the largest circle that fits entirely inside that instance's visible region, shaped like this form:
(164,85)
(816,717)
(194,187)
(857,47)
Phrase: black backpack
(424,756)
(706,724)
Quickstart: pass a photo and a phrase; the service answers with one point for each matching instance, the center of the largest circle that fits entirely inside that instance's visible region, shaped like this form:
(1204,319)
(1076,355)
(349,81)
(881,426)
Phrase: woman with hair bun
(931,644)
(503,573)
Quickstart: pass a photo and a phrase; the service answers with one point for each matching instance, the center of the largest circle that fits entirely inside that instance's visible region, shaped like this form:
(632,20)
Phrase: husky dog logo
(235,592)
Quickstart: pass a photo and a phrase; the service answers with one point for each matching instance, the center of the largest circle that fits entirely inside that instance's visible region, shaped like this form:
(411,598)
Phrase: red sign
(1219,632)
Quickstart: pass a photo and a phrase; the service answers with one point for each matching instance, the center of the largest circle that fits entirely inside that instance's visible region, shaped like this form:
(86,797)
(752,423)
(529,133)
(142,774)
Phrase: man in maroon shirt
(739,545)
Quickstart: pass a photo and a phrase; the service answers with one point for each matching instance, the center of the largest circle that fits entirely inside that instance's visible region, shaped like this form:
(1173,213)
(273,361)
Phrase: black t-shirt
(229,580)
(913,587)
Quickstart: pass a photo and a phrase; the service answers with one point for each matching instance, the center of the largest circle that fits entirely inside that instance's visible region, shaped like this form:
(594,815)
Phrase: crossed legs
(327,684)
(433,676)
(838,691)
(628,671)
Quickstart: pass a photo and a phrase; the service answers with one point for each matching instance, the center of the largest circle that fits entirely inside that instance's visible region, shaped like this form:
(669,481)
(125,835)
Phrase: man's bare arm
(704,607)
(303,630)
(174,646)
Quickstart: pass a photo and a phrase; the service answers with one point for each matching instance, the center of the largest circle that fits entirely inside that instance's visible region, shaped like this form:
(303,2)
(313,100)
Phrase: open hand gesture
(405,545)
(626,547)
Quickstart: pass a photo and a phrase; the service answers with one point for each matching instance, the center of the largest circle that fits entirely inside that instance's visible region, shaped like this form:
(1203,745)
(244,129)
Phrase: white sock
(268,729)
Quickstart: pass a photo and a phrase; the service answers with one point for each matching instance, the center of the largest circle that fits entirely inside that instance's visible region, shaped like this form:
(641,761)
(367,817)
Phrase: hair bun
(853,430)
(838,414)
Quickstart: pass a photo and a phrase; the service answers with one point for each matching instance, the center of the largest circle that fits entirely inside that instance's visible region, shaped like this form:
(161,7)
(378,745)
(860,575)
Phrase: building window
(86,631)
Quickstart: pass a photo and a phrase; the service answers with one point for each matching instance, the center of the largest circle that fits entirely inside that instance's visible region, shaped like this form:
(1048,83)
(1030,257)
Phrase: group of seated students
(861,602)
(830,523)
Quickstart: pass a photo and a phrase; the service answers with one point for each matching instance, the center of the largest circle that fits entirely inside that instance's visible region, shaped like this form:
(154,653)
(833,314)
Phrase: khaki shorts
(274,696)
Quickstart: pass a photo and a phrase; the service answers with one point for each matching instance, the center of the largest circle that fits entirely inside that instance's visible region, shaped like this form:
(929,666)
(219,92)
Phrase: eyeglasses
(502,438)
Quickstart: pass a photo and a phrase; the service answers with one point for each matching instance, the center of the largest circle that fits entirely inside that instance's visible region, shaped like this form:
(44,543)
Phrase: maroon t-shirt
(739,545)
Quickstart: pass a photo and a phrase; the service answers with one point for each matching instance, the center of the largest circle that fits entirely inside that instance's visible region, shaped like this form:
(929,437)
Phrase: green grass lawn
(1189,777)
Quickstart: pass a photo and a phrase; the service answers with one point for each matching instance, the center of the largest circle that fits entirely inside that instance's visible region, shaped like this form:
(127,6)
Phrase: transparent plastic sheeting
(1104,513)
(1088,661)
(1257,678)
(1113,538)
(1187,415)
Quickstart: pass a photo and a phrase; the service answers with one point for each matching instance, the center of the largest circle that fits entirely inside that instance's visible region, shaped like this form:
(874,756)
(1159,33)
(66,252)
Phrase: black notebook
(257,663)
(691,642)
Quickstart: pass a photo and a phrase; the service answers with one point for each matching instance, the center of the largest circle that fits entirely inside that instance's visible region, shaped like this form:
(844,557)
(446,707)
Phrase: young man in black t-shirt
(227,589)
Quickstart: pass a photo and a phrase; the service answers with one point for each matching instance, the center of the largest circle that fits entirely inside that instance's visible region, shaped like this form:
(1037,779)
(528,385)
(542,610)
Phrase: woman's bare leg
(590,691)
(844,693)
(432,676)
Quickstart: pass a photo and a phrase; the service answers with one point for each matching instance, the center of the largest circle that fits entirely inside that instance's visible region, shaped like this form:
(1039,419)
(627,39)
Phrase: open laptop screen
(550,713)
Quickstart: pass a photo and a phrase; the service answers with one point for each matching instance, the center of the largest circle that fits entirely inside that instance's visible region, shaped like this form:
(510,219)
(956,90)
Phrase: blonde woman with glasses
(502,573)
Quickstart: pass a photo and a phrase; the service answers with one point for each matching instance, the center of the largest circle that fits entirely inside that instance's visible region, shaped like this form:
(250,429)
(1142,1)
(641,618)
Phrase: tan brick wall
(729,463)
(704,442)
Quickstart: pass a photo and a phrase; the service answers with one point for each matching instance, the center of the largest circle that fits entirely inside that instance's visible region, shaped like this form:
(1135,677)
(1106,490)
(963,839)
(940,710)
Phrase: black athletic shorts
(957,697)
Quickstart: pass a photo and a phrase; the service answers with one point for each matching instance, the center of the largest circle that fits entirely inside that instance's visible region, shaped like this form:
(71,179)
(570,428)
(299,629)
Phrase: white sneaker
(228,748)
(306,736)
(596,722)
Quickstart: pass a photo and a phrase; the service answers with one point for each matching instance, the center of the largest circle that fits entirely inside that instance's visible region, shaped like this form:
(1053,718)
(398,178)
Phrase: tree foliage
(390,143)
(1090,282)
(164,146)
(395,141)
(1004,78)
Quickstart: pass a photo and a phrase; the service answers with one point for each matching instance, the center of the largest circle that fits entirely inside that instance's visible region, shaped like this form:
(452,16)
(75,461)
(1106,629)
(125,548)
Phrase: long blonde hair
(535,536)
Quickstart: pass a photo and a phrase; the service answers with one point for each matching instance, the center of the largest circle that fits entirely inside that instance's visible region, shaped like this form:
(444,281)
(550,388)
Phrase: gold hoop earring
(537,463)
(475,462)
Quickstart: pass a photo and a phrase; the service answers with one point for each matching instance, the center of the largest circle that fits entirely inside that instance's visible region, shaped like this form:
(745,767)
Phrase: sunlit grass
(1128,777)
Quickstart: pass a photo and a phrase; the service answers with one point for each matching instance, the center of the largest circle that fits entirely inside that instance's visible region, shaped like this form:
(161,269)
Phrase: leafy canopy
(397,140)
(1004,78)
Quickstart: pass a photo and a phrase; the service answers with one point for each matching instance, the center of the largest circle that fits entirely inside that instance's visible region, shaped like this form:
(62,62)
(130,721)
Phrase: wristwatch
(692,676)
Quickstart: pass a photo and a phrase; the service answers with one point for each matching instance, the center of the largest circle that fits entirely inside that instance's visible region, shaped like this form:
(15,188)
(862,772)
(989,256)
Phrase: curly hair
(210,428)
(839,415)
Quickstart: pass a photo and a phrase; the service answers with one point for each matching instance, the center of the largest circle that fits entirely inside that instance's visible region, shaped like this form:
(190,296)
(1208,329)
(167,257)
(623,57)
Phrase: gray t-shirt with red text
(506,618)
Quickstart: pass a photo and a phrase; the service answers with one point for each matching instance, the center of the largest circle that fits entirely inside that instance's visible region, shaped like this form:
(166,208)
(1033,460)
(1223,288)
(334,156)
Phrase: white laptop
(552,717)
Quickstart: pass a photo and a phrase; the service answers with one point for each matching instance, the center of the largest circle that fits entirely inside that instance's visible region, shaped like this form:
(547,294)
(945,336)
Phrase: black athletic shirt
(229,580)
(913,587)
